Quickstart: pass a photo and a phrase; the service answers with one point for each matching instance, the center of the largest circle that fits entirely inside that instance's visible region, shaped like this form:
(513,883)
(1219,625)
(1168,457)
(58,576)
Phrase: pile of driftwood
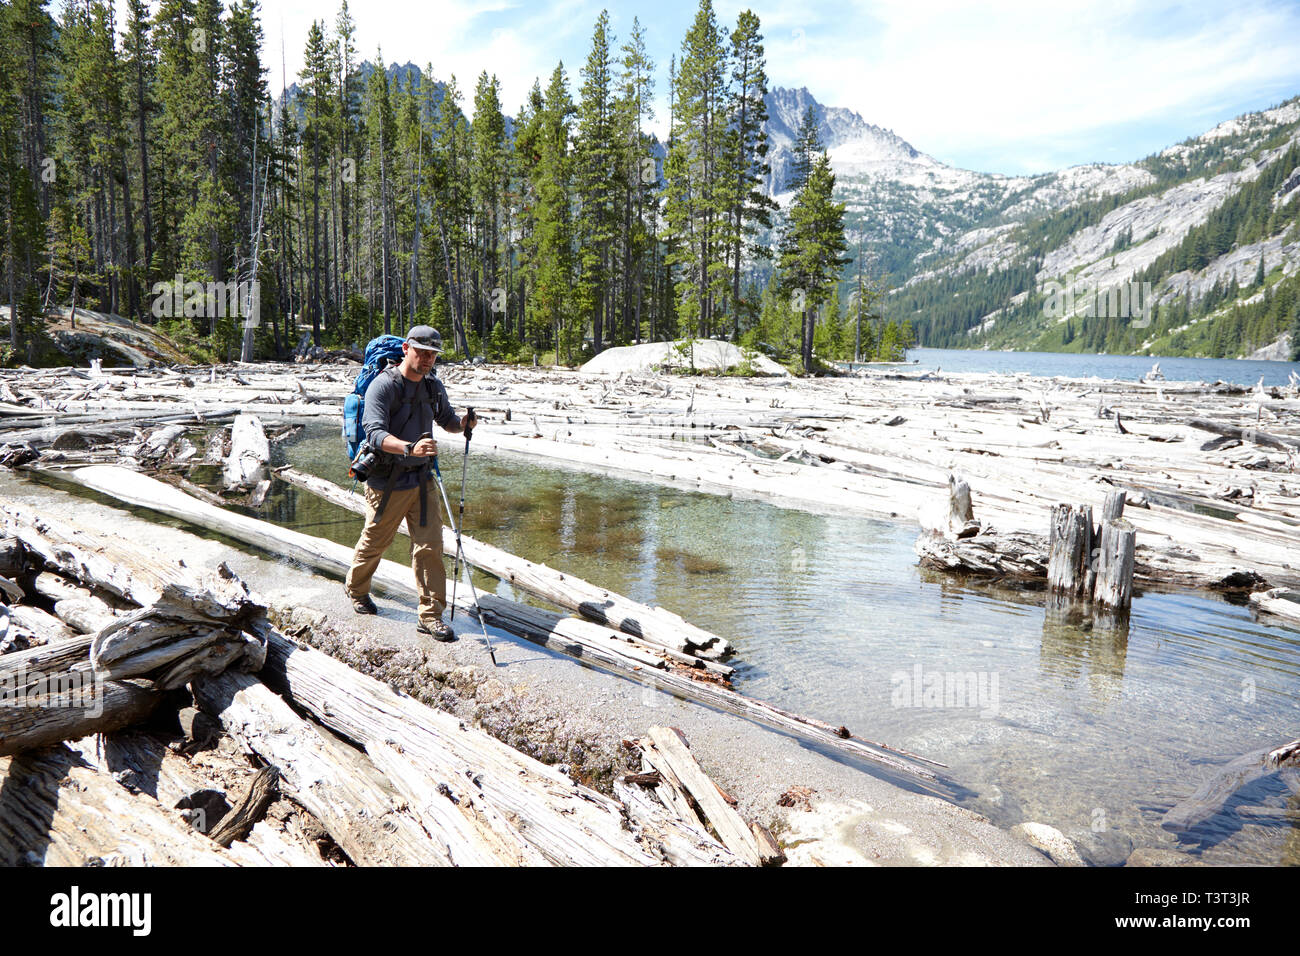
(366,773)
(648,644)
(1222,512)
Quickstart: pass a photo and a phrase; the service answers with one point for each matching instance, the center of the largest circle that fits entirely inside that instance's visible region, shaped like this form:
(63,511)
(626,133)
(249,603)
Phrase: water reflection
(1084,639)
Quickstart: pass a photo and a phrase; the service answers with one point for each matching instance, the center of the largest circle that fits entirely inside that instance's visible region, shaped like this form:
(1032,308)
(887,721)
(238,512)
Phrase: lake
(1092,731)
(1125,367)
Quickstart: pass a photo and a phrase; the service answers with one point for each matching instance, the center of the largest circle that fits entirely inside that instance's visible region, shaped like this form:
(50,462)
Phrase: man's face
(420,360)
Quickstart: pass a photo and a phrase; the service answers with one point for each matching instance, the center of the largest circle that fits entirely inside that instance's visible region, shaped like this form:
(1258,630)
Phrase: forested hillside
(366,199)
(1212,241)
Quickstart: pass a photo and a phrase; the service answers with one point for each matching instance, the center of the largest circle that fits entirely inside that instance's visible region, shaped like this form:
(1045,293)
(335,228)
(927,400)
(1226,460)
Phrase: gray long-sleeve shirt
(393,407)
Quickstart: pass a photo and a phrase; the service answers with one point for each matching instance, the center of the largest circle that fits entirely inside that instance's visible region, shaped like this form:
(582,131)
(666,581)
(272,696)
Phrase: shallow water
(1094,730)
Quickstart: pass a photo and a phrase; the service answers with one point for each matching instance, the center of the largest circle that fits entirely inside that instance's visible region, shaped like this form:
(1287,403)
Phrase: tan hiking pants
(426,547)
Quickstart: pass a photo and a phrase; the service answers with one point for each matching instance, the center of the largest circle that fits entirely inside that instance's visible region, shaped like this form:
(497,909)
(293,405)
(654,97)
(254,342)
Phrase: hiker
(401,405)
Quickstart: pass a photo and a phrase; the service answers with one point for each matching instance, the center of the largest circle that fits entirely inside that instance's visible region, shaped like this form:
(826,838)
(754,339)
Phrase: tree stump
(1070,550)
(1114,585)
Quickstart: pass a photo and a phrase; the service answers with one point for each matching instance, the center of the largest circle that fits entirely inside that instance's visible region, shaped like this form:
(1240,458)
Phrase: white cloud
(1003,85)
(956,79)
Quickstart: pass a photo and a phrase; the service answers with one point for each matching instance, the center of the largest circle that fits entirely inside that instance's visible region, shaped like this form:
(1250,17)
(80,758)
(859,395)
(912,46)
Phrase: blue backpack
(381,352)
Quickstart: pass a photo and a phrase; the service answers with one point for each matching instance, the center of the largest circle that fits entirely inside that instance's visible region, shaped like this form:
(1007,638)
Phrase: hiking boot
(439,630)
(363,605)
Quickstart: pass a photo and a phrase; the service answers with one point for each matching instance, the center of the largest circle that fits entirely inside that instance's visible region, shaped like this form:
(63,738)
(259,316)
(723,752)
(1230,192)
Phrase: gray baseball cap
(425,337)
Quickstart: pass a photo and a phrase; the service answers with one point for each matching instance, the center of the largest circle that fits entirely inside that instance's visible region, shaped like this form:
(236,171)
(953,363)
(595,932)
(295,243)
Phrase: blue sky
(1009,86)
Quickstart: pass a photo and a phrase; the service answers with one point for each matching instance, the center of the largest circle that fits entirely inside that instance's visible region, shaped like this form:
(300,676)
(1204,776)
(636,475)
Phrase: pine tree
(812,248)
(596,181)
(317,79)
(487,175)
(380,127)
(697,176)
(633,109)
(807,147)
(750,206)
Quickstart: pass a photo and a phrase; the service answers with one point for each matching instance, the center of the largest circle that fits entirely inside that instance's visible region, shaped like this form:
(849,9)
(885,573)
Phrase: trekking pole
(468,577)
(460,521)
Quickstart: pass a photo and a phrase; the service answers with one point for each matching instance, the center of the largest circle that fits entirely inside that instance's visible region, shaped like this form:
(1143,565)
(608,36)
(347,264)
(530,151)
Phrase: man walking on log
(402,404)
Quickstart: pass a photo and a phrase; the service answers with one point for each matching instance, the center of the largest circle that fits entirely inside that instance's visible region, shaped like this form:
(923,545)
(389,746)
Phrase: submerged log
(1210,798)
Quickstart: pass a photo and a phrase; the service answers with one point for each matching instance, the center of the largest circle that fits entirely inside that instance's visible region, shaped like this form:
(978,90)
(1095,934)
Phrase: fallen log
(1245,434)
(653,624)
(245,466)
(55,811)
(147,492)
(667,751)
(566,823)
(1283,602)
(361,817)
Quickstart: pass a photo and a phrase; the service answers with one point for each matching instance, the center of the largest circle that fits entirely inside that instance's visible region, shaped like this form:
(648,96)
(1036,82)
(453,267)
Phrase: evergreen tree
(597,182)
(488,174)
(807,147)
(812,248)
(697,176)
(750,206)
(380,126)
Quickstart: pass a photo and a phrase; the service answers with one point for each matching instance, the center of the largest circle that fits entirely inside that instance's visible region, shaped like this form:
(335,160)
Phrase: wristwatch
(410,447)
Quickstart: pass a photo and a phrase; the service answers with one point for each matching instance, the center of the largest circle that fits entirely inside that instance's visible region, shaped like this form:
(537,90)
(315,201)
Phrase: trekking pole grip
(469,412)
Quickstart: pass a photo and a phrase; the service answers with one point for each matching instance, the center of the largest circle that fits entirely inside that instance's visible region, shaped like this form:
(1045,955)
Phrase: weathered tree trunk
(1114,584)
(1069,568)
(520,797)
(245,466)
(54,811)
(363,818)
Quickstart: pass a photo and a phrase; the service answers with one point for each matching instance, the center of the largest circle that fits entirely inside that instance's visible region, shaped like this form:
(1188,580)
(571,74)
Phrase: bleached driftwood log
(246,464)
(519,798)
(1284,602)
(952,539)
(56,811)
(362,817)
(530,623)
(194,624)
(666,751)
(141,490)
